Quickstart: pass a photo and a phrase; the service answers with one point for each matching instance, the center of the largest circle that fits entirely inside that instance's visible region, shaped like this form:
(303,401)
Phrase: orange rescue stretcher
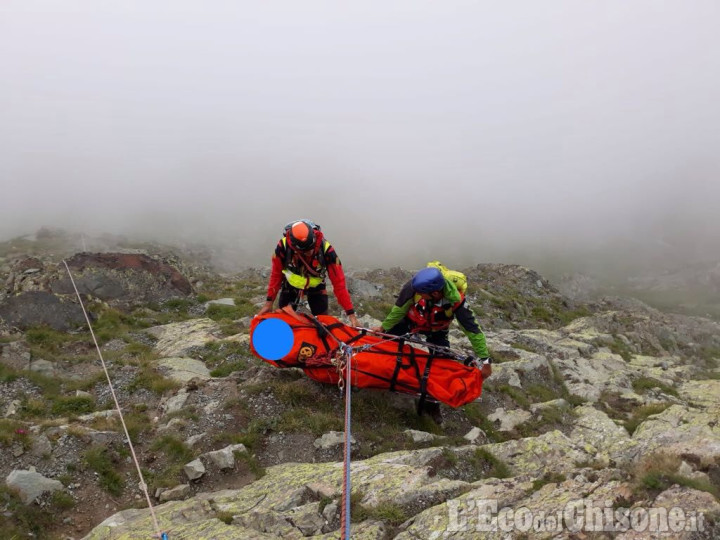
(377,362)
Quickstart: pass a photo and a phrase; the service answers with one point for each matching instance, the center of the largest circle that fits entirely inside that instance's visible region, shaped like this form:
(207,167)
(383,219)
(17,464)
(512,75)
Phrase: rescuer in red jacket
(302,259)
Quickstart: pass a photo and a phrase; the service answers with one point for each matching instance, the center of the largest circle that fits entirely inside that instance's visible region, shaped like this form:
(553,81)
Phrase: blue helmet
(428,280)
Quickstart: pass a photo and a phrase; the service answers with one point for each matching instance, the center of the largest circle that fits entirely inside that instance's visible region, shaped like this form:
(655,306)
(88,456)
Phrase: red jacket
(327,261)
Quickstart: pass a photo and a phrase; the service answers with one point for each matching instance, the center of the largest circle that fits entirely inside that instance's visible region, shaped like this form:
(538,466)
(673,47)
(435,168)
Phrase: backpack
(458,278)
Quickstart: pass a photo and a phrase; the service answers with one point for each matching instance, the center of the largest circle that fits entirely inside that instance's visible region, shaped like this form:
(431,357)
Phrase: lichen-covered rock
(588,377)
(420,436)
(331,439)
(684,431)
(367,530)
(186,519)
(176,339)
(183,370)
(457,518)
(225,457)
(682,514)
(194,470)
(177,493)
(404,478)
(550,452)
(594,428)
(176,402)
(30,484)
(508,420)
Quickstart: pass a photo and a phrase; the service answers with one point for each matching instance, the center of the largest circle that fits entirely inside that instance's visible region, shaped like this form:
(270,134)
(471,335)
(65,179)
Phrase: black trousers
(316,296)
(439,338)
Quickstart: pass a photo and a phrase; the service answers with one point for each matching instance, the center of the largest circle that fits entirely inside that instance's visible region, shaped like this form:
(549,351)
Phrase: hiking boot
(433,410)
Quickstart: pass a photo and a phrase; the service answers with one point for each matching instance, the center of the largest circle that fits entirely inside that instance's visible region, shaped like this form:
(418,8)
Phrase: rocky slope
(609,406)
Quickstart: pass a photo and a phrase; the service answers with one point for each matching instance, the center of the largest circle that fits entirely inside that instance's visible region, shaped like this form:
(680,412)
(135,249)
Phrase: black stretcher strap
(423,385)
(398,365)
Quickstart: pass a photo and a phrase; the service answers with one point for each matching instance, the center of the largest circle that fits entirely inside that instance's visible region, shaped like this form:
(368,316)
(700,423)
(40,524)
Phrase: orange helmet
(301,236)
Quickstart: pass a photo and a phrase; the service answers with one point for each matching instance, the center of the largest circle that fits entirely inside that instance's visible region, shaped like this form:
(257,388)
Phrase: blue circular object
(273,339)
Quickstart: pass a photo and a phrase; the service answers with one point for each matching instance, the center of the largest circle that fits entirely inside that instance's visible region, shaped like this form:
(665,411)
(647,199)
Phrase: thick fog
(468,131)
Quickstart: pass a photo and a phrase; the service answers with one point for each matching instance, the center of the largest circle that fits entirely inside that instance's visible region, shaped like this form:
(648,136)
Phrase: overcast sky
(409,130)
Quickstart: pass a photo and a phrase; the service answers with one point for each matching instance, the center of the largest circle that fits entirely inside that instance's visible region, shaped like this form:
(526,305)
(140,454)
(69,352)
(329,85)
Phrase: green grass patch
(388,512)
(225,517)
(137,423)
(111,323)
(620,348)
(475,415)
(249,438)
(377,309)
(296,393)
(308,420)
(659,471)
(709,361)
(540,393)
(173,448)
(548,478)
(242,308)
(643,384)
(50,386)
(549,418)
(640,414)
(33,408)
(46,341)
(86,384)
(62,500)
(136,348)
(100,460)
(7,374)
(228,368)
(167,477)
(516,394)
(19,520)
(324,501)
(179,305)
(72,405)
(503,356)
(566,316)
(151,380)
(542,313)
(710,355)
(481,460)
(380,423)
(564,392)
(225,357)
(12,432)
(252,463)
(522,347)
(450,457)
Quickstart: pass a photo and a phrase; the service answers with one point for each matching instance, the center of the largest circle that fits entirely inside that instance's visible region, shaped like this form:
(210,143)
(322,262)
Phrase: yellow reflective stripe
(300,282)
